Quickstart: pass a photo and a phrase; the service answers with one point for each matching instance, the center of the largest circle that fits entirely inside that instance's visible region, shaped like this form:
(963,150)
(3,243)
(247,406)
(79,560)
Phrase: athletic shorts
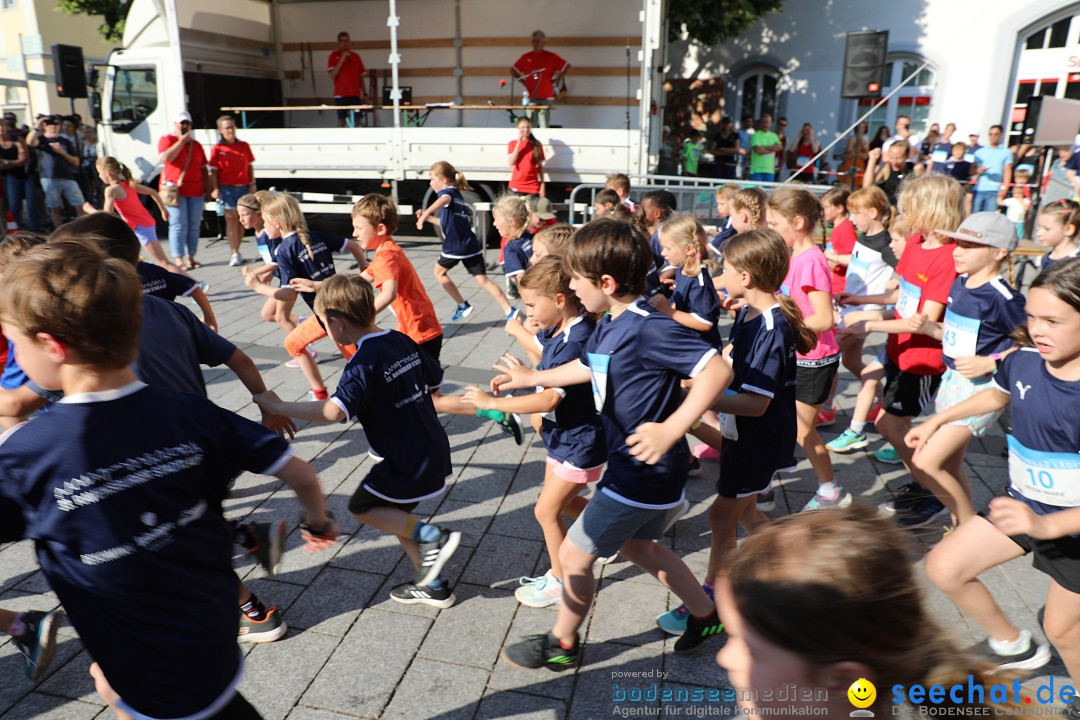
(955,389)
(906,394)
(1059,558)
(813,383)
(607,525)
(569,473)
(364,500)
(146,234)
(433,347)
(474,263)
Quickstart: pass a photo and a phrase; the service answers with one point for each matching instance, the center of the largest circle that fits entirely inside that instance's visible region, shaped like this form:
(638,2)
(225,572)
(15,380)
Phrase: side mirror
(92,76)
(94,100)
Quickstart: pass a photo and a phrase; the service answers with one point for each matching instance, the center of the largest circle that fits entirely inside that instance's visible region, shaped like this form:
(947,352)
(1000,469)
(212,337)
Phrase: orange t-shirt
(412,307)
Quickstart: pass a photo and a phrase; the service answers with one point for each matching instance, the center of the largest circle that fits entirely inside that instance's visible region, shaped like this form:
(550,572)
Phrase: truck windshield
(134,97)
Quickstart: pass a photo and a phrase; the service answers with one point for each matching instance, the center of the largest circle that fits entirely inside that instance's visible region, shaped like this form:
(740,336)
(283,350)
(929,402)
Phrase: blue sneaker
(888,455)
(847,441)
(462,312)
(512,314)
(37,642)
(673,622)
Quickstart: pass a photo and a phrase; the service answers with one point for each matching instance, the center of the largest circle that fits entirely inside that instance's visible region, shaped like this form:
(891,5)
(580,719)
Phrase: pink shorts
(569,473)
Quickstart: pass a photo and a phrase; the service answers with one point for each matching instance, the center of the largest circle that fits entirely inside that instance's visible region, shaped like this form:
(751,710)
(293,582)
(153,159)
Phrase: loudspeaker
(406,95)
(864,64)
(1051,121)
(69,71)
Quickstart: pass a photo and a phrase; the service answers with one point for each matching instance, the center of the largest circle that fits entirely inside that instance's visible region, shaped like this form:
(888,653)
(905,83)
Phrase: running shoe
(847,441)
(37,641)
(1033,656)
(412,594)
(921,514)
(237,260)
(433,556)
(266,541)
(673,622)
(295,362)
(512,426)
(540,591)
(607,560)
(512,314)
(705,452)
(537,651)
(698,631)
(888,455)
(462,312)
(910,494)
(825,417)
(512,290)
(695,468)
(820,502)
(270,628)
(766,500)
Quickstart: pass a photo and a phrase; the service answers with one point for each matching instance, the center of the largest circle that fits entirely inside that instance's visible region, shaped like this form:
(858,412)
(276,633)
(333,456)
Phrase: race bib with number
(908,304)
(598,367)
(1052,478)
(939,156)
(264,253)
(961,337)
(802,161)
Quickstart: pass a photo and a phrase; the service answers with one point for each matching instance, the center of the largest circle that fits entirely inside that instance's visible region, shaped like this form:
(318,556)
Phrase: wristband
(997,358)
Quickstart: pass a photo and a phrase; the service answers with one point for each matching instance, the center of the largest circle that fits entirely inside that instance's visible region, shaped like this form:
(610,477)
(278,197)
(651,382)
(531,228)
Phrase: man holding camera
(59,164)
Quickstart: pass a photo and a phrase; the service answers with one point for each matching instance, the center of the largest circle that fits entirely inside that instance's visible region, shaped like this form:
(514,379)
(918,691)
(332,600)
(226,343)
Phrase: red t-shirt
(924,275)
(842,238)
(347,82)
(525,177)
(193,176)
(233,163)
(545,63)
(412,307)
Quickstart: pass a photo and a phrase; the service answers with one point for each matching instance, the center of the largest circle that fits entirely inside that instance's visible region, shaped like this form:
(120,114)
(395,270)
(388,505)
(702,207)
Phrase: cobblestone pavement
(351,652)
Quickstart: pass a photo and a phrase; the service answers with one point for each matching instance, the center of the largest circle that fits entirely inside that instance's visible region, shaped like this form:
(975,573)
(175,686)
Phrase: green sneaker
(888,455)
(847,441)
(537,651)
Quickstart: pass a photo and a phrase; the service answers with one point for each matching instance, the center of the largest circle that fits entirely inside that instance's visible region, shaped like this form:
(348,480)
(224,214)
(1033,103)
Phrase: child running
(1040,383)
(795,214)
(758,422)
(694,303)
(636,358)
(571,428)
(1058,228)
(870,268)
(982,313)
(551,240)
(510,213)
(460,245)
(303,263)
(386,387)
(143,524)
(842,238)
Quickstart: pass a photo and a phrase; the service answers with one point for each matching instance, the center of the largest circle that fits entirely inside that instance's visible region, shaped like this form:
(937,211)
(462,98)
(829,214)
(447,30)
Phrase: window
(758,93)
(134,97)
(7,4)
(914,100)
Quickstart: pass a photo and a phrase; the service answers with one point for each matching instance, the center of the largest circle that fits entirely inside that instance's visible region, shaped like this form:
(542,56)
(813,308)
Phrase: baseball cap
(986,228)
(52,119)
(183,116)
(543,209)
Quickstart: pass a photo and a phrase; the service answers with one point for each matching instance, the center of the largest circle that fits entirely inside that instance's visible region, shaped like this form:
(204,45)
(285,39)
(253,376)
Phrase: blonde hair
(549,278)
(283,209)
(871,198)
(727,191)
(685,231)
(447,172)
(113,168)
(515,209)
(253,201)
(555,238)
(752,200)
(932,202)
(350,297)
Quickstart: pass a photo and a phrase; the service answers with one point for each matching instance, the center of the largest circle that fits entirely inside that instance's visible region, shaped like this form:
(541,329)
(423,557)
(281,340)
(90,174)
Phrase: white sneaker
(540,591)
(237,260)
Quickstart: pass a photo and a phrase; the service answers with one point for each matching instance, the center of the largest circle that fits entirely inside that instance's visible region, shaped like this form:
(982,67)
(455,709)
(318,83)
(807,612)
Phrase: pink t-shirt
(809,271)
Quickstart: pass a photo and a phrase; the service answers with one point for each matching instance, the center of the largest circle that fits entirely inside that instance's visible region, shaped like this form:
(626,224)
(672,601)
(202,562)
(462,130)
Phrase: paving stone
(274,679)
(498,559)
(624,613)
(473,630)
(434,689)
(332,601)
(516,706)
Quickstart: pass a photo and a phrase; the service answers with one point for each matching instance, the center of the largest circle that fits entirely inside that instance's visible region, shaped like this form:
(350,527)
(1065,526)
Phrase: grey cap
(986,228)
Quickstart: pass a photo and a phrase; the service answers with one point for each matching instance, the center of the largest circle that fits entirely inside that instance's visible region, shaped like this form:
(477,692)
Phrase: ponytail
(805,338)
(460,182)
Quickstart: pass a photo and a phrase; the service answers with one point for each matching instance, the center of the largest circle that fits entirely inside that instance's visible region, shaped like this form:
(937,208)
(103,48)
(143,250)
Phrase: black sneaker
(433,556)
(37,642)
(412,594)
(1034,656)
(1072,710)
(512,426)
(267,543)
(269,629)
(698,631)
(537,651)
(909,494)
(512,291)
(921,514)
(695,468)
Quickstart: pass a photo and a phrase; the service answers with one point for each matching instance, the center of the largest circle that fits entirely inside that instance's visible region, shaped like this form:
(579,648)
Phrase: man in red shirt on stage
(347,70)
(540,71)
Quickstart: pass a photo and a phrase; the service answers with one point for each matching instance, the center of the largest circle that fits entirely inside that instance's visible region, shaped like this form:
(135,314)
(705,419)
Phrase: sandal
(194,264)
(181,264)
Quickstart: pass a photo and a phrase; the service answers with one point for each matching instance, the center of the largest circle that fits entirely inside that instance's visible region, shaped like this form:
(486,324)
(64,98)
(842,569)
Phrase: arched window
(759,91)
(914,100)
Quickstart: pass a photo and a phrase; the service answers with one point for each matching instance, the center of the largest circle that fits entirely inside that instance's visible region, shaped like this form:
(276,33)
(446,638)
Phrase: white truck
(205,55)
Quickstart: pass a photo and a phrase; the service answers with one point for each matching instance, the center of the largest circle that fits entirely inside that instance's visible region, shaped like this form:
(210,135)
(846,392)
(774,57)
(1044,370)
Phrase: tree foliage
(112,13)
(711,22)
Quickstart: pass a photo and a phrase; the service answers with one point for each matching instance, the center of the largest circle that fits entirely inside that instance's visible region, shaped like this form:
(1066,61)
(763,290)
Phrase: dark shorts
(342,114)
(474,263)
(1059,558)
(433,347)
(362,501)
(813,384)
(908,395)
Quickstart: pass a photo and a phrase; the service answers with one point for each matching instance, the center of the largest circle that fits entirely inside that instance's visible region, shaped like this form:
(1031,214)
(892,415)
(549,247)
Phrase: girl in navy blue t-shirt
(249,208)
(570,425)
(459,241)
(1039,514)
(694,302)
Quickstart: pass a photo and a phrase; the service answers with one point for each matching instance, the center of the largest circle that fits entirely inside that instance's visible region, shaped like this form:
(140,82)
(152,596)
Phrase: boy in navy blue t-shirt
(386,386)
(124,513)
(635,359)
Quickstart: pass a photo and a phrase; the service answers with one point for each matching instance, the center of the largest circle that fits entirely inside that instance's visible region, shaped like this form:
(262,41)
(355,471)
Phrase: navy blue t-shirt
(52,165)
(386,386)
(295,260)
(978,321)
(173,344)
(572,432)
(637,361)
(459,240)
(267,248)
(959,169)
(697,296)
(1044,445)
(658,253)
(716,245)
(159,282)
(125,513)
(1047,261)
(516,255)
(763,360)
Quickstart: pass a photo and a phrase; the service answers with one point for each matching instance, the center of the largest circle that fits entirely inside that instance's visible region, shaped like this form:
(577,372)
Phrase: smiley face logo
(862,693)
